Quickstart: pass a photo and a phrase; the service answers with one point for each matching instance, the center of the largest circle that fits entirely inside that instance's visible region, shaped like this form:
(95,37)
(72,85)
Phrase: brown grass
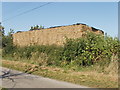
(87,78)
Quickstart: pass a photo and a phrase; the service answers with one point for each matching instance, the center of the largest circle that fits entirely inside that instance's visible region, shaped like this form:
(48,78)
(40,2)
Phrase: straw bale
(51,36)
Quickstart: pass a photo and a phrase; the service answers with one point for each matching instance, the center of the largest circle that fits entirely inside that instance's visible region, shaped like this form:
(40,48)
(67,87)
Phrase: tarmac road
(23,80)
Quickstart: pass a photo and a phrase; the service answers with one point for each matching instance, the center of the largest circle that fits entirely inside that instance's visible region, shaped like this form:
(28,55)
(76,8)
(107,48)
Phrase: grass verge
(87,78)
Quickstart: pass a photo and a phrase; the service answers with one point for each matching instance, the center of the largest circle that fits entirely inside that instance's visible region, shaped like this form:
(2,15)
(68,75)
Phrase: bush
(90,49)
(7,43)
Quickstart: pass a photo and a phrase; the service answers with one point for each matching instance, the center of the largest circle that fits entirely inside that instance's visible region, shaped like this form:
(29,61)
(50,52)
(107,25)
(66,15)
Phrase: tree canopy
(37,27)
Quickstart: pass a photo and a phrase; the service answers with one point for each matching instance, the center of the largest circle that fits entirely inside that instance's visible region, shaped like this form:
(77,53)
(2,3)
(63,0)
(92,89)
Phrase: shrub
(90,49)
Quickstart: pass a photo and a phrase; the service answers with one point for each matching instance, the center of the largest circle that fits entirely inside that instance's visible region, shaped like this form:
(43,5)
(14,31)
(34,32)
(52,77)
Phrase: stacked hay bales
(53,35)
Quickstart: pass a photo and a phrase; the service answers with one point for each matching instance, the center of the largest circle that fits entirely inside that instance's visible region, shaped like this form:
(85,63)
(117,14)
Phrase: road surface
(23,80)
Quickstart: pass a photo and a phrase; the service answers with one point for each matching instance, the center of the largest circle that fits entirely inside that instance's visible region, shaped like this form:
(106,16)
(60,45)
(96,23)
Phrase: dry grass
(87,78)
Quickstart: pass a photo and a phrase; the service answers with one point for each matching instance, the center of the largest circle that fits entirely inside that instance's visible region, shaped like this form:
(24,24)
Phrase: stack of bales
(53,35)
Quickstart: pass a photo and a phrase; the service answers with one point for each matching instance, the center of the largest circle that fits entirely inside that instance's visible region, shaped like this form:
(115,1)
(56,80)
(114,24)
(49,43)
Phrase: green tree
(7,39)
(37,27)
(31,28)
(1,30)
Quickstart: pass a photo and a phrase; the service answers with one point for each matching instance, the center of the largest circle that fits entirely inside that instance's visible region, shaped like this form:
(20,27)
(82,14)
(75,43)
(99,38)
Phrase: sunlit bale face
(53,35)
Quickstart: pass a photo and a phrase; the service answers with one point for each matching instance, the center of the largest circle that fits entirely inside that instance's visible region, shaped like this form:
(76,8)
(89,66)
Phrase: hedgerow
(86,51)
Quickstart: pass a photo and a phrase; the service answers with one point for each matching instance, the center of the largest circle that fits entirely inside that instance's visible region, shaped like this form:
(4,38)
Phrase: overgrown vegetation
(90,53)
(89,50)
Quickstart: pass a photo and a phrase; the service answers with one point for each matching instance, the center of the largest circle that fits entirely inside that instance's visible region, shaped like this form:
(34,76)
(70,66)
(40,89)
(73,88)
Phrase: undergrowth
(91,49)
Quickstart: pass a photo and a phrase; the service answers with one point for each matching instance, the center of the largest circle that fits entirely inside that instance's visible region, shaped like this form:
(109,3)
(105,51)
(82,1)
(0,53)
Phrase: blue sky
(0,11)
(101,15)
